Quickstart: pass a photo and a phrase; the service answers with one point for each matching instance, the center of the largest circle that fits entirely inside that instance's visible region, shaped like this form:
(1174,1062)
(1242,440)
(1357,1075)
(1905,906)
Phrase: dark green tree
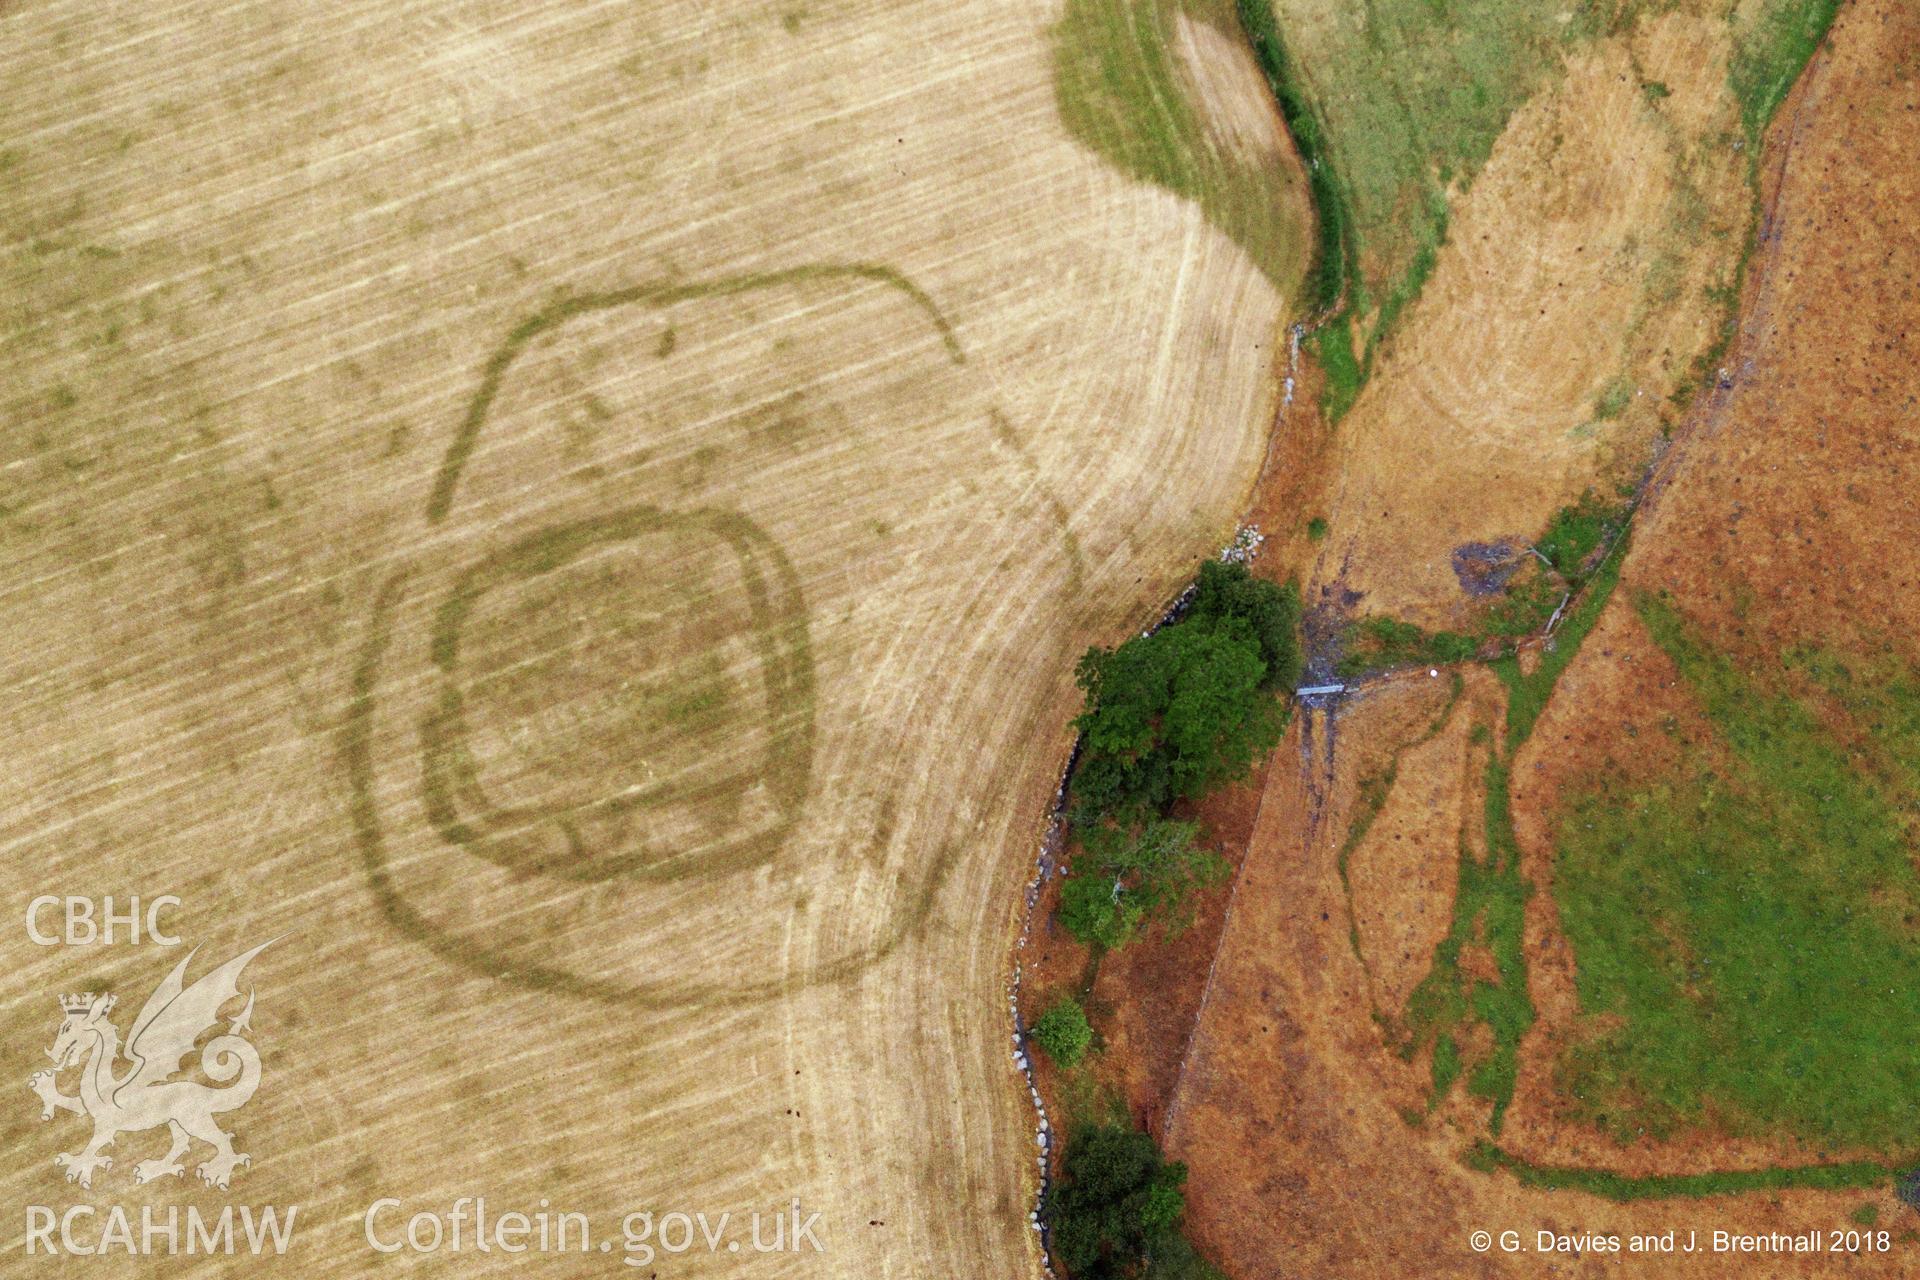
(1171,716)
(1271,612)
(1116,1209)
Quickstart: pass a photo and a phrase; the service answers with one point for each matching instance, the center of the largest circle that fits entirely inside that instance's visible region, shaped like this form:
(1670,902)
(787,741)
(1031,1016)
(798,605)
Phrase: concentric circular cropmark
(630,719)
(720,659)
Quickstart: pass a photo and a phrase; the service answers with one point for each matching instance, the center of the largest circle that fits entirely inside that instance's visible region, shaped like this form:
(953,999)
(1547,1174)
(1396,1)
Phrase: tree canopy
(1171,716)
(1272,614)
(1115,1212)
(1064,1033)
(1124,879)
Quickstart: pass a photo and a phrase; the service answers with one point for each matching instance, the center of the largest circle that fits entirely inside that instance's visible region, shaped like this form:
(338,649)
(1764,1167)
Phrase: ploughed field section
(581,520)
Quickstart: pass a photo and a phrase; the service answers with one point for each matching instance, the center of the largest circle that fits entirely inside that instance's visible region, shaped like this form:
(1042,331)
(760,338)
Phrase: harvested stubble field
(1676,987)
(580,521)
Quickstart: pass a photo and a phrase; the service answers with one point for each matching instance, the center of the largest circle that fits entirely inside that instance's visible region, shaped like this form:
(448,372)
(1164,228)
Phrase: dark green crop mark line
(770,583)
(1056,509)
(356,754)
(558,313)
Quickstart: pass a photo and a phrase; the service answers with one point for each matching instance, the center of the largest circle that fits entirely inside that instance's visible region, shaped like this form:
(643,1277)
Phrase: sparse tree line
(1171,716)
(1168,717)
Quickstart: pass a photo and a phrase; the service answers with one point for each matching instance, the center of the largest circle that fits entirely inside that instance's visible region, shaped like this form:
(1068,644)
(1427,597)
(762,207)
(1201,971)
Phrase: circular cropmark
(595,744)
(704,694)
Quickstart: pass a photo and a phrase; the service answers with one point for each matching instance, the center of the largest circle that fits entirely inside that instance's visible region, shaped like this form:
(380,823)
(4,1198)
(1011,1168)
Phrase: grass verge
(1122,90)
(1488,1157)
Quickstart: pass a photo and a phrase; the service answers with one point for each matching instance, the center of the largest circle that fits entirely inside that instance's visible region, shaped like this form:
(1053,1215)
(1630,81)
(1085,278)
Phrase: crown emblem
(79,1003)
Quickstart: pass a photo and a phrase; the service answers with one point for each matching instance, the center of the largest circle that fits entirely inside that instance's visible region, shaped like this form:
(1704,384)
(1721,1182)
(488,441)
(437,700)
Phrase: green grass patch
(1379,642)
(1770,50)
(1527,694)
(1392,111)
(1332,346)
(1524,608)
(1121,90)
(1397,107)
(1491,896)
(1745,929)
(1876,691)
(1577,531)
(1445,1068)
(1489,912)
(1614,398)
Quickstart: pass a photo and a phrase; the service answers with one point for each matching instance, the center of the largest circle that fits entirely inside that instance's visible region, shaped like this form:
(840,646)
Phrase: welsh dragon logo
(143,1095)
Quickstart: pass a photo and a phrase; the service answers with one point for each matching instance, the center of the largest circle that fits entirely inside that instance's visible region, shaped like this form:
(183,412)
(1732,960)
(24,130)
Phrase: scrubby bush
(1576,532)
(1092,911)
(1063,1032)
(1377,642)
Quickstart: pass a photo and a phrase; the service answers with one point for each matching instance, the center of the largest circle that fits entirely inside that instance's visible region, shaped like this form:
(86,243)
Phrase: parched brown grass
(581,519)
(1783,529)
(1584,272)
(1782,521)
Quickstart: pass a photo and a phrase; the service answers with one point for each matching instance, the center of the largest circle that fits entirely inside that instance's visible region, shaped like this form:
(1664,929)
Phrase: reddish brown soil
(1797,480)
(1294,484)
(1145,997)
